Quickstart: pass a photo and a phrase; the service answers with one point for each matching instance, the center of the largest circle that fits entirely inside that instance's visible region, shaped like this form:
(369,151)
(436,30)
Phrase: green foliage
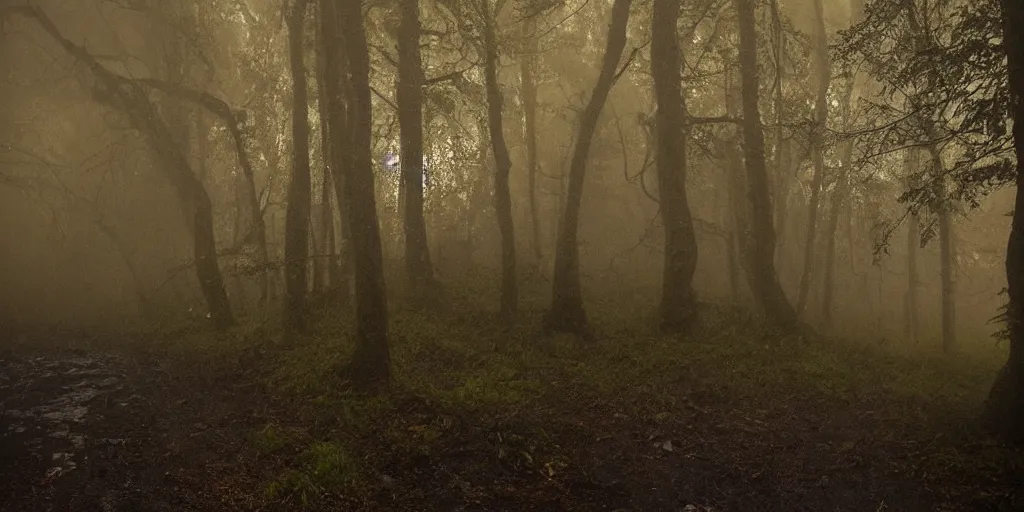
(326,466)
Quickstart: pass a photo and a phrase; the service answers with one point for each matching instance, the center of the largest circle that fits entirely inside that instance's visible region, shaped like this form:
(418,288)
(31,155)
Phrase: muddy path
(109,432)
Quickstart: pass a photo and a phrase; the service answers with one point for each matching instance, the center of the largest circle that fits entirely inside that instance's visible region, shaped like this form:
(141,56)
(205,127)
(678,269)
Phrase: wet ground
(107,433)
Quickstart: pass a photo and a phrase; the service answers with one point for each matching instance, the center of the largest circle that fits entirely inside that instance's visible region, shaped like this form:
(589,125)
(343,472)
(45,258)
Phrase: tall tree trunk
(947,255)
(205,253)
(503,165)
(913,242)
(835,210)
(409,97)
(325,264)
(740,249)
(844,184)
(782,149)
(763,280)
(325,250)
(527,65)
(371,362)
(678,304)
(822,71)
(913,303)
(941,205)
(335,121)
(1004,409)
(567,313)
(296,222)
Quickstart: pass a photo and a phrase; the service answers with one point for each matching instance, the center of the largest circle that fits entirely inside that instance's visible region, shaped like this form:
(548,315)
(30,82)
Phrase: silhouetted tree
(296,224)
(409,98)
(1005,407)
(763,280)
(678,304)
(822,71)
(527,68)
(503,165)
(566,313)
(372,360)
(335,124)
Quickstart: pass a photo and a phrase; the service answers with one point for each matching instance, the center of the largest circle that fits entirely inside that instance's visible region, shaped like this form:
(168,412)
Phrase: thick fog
(94,229)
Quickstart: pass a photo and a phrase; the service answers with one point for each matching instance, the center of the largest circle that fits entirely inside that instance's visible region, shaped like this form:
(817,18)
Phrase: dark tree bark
(817,153)
(527,66)
(371,364)
(503,165)
(232,122)
(913,302)
(782,146)
(913,242)
(567,313)
(409,96)
(1005,407)
(835,210)
(335,125)
(947,255)
(296,221)
(740,250)
(324,267)
(678,304)
(763,280)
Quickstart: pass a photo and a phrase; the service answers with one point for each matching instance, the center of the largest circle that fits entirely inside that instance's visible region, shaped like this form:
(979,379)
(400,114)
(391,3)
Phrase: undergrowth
(484,413)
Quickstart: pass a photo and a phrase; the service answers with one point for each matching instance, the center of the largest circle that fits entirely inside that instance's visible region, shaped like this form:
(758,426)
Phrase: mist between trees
(837,168)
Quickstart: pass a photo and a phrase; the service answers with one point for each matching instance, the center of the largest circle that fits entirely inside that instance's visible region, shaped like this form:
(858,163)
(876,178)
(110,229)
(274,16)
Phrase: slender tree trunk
(1005,406)
(371,363)
(913,303)
(678,304)
(835,210)
(327,264)
(527,65)
(817,152)
(503,165)
(205,253)
(567,313)
(947,254)
(782,150)
(296,223)
(335,121)
(740,248)
(941,205)
(323,261)
(763,279)
(409,97)
(844,184)
(913,242)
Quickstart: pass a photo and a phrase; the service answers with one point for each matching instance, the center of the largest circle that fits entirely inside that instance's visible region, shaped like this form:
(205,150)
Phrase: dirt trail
(105,432)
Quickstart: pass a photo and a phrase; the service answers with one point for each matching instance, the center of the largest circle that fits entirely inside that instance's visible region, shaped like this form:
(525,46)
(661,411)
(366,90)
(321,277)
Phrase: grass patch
(325,467)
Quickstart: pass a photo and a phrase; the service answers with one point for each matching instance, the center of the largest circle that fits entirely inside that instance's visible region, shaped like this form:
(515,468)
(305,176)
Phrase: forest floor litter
(490,418)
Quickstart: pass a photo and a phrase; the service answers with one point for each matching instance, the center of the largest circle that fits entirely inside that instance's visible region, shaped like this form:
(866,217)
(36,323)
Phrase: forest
(505,255)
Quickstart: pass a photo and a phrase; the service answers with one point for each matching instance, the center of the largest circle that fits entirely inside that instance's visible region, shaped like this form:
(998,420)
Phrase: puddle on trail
(46,402)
